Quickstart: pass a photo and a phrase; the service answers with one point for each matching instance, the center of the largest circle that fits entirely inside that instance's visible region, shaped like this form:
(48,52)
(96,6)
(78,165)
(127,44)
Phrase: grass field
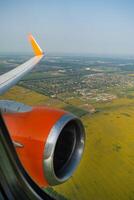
(32,98)
(25,96)
(76,110)
(107,168)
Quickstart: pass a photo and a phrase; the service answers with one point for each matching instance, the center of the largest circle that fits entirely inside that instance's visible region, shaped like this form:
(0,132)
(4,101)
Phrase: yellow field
(32,98)
(107,169)
(26,96)
(75,101)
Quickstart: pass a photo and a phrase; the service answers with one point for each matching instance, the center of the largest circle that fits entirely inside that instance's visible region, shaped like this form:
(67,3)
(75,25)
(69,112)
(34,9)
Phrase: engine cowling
(49,143)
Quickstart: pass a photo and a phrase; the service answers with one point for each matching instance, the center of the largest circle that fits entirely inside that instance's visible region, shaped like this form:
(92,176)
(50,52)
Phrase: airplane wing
(10,78)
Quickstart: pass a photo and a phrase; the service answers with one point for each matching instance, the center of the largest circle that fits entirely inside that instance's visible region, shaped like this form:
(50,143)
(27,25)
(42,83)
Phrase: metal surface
(18,145)
(50,146)
(15,183)
(31,129)
(10,78)
(8,106)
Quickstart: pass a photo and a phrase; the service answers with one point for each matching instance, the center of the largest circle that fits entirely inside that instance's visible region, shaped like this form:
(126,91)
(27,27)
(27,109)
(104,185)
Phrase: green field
(76,110)
(107,168)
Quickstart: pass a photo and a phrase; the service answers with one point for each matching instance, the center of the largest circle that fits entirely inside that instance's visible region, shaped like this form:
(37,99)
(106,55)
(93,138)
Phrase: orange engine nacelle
(49,143)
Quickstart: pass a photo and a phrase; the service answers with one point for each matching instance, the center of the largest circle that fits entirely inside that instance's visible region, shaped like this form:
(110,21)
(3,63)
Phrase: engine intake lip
(56,174)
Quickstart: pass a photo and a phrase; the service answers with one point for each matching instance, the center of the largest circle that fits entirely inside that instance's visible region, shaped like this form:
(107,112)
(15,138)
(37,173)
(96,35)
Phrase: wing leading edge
(10,78)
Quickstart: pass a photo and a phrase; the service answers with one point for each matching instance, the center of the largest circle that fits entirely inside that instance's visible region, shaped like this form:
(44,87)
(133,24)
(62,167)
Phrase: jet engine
(49,142)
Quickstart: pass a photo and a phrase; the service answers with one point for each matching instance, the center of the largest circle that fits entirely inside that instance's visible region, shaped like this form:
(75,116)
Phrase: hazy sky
(72,26)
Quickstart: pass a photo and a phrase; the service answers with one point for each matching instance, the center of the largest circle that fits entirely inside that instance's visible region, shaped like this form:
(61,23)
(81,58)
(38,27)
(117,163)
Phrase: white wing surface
(10,78)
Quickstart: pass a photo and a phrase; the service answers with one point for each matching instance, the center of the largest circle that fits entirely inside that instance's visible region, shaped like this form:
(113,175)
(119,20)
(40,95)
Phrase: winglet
(36,48)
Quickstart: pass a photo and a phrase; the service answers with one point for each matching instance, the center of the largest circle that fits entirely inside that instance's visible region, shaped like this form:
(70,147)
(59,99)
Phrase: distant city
(90,79)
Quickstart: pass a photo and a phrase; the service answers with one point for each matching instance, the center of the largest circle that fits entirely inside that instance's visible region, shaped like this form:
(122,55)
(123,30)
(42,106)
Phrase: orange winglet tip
(36,48)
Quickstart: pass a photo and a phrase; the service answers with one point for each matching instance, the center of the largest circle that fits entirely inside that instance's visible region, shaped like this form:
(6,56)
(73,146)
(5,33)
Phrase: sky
(68,26)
